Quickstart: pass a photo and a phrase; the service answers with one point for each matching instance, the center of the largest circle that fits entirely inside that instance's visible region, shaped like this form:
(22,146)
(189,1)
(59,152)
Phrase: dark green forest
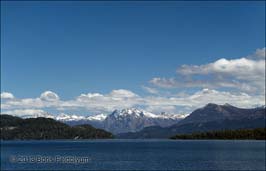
(15,128)
(256,134)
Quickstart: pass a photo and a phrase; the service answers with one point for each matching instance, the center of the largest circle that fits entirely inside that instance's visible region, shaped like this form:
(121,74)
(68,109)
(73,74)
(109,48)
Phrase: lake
(133,155)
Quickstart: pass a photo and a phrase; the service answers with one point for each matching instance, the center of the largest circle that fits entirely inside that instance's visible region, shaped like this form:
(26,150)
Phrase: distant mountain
(13,128)
(125,120)
(209,118)
(213,112)
(72,120)
(132,120)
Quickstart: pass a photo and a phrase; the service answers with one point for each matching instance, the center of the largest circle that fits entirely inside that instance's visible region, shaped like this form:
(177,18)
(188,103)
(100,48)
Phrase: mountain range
(135,123)
(122,121)
(209,118)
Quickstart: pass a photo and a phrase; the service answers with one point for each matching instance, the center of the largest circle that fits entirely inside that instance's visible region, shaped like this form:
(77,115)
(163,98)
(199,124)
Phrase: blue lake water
(133,155)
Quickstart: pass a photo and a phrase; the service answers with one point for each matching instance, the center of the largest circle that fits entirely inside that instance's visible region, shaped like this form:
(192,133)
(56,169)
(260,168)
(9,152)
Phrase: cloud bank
(105,103)
(246,74)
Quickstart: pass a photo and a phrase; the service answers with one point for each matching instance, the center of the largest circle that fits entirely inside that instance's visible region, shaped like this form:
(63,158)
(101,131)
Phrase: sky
(93,57)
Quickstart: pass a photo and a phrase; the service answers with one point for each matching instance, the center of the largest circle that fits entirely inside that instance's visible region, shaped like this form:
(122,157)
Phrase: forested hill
(256,134)
(15,128)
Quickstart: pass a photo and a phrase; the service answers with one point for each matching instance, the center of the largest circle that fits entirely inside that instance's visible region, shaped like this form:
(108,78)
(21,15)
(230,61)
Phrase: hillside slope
(46,128)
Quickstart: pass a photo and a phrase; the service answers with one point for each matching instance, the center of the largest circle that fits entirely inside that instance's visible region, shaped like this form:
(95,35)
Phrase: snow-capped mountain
(125,120)
(67,117)
(94,120)
(132,120)
(99,117)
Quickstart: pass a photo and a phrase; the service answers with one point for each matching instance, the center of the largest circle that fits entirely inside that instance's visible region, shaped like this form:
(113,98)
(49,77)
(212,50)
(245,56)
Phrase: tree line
(256,134)
(15,128)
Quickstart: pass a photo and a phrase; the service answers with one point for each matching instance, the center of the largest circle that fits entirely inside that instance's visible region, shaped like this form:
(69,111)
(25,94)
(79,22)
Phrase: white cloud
(7,95)
(165,82)
(235,67)
(242,74)
(211,83)
(46,99)
(150,90)
(98,103)
(260,53)
(221,97)
(122,93)
(159,109)
(49,96)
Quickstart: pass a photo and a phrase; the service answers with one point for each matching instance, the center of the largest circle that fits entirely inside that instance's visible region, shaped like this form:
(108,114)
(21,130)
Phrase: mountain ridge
(208,118)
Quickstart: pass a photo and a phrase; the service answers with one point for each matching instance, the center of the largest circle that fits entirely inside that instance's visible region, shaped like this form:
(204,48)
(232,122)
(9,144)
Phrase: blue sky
(71,48)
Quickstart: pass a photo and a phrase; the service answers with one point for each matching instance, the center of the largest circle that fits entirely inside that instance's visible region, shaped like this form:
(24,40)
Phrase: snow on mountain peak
(141,113)
(99,117)
(66,117)
(130,111)
(127,112)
